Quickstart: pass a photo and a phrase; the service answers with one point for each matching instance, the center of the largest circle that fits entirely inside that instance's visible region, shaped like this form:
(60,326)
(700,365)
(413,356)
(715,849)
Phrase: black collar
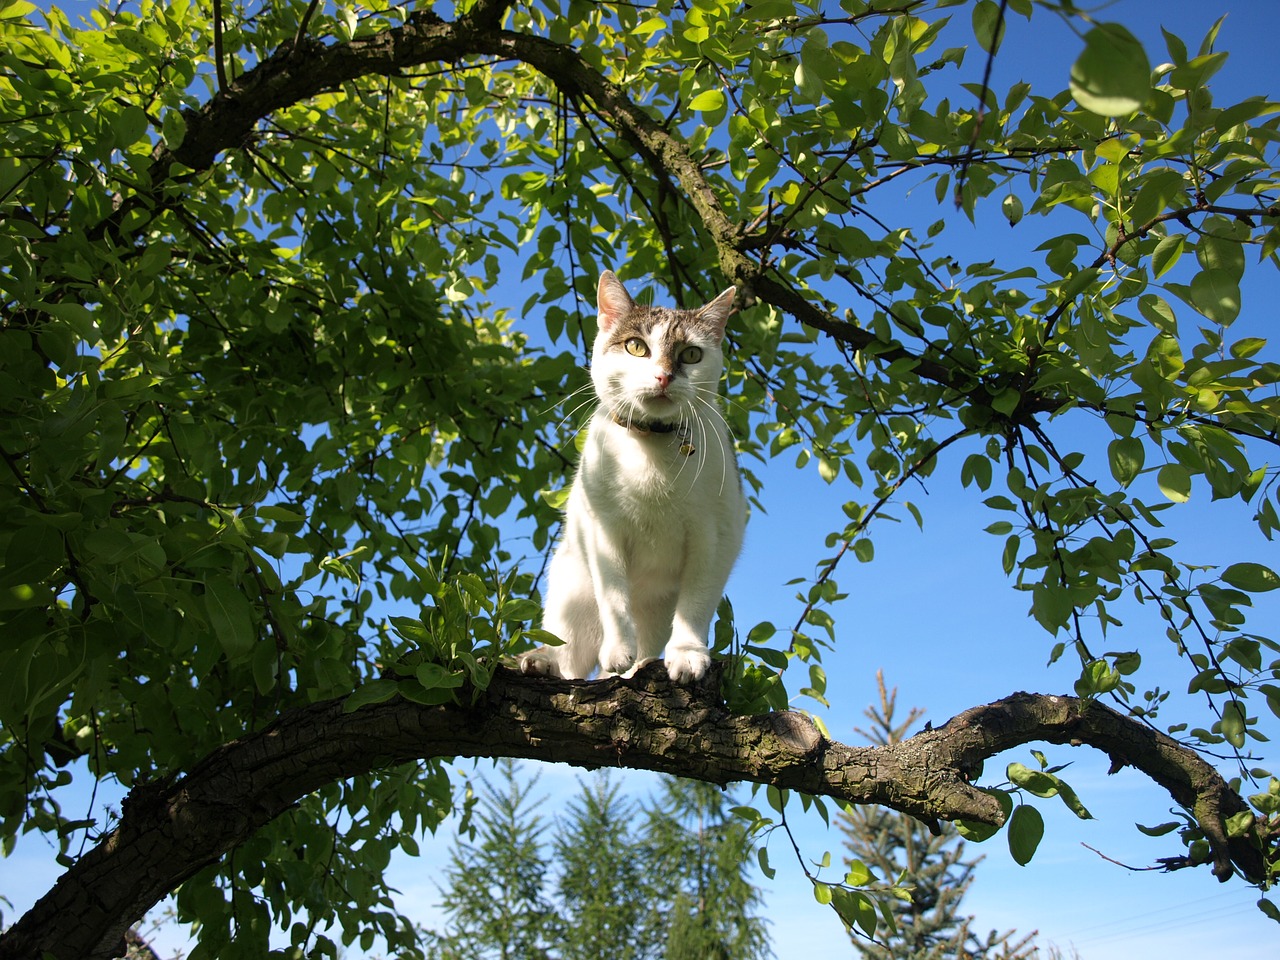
(644,426)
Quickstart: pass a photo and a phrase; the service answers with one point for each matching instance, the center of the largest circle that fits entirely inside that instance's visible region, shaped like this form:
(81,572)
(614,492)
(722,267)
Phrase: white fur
(651,529)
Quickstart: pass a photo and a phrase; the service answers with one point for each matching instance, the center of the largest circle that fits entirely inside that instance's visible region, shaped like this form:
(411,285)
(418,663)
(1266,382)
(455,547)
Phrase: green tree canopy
(294,300)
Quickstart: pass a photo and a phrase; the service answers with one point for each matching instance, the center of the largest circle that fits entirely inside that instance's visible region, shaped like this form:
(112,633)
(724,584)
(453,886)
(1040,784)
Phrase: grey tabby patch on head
(656,513)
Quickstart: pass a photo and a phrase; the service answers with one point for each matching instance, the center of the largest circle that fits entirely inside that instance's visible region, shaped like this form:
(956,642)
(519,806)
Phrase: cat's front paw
(686,664)
(540,663)
(615,661)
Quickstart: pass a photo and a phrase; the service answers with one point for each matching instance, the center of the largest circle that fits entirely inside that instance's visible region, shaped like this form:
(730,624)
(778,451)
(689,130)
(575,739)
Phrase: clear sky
(935,613)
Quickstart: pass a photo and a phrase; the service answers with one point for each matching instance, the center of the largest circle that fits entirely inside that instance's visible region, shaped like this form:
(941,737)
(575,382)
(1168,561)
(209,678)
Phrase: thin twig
(982,105)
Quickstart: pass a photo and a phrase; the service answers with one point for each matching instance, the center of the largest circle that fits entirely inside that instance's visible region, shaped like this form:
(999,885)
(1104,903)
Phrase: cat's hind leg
(541,662)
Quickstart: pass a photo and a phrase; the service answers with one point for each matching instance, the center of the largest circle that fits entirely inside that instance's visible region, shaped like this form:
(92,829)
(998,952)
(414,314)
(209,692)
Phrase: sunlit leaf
(1253,577)
(1112,75)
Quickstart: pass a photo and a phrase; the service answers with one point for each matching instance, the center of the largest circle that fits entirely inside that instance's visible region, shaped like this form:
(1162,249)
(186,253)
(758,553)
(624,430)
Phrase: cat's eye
(690,354)
(637,347)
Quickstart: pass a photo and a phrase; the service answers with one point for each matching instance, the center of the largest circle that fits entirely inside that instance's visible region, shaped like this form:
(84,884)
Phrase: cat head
(653,364)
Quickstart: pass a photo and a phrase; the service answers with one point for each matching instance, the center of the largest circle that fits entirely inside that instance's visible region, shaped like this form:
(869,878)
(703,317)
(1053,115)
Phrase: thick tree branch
(171,829)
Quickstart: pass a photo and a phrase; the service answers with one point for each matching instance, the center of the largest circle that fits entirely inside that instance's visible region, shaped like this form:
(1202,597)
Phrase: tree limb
(172,828)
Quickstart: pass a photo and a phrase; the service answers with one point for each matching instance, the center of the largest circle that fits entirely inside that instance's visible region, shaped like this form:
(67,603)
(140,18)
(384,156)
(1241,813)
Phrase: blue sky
(935,613)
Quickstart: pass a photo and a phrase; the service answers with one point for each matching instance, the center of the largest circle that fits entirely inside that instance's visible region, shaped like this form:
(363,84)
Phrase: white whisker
(588,386)
(725,454)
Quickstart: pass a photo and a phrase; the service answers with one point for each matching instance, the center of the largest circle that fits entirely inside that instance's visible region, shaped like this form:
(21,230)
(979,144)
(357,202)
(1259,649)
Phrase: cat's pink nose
(663,378)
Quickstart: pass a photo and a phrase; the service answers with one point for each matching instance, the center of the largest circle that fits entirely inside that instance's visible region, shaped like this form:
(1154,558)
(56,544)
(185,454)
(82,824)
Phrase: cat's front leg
(707,565)
(686,654)
(618,649)
(613,600)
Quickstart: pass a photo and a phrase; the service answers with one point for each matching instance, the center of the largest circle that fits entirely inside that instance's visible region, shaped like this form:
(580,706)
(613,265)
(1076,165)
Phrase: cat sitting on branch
(656,513)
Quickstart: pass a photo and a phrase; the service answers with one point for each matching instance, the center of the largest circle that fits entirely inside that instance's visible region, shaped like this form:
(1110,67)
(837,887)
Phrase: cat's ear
(612,300)
(716,313)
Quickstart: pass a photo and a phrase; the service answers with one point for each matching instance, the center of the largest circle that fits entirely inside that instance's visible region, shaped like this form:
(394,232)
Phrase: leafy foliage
(293,308)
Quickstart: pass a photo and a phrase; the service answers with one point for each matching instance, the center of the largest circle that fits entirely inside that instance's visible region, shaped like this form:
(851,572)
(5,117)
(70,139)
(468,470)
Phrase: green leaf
(16,9)
(1026,829)
(855,909)
(1072,801)
(1009,556)
(988,25)
(708,101)
(1011,207)
(1246,347)
(1166,254)
(1233,723)
(415,631)
(265,663)
(976,469)
(859,875)
(279,513)
(1174,481)
(1112,75)
(1044,784)
(1253,577)
(434,675)
(1216,295)
(1159,830)
(174,128)
(1126,456)
(375,691)
(231,617)
(520,609)
(1239,824)
(762,856)
(1036,781)
(129,126)
(1157,310)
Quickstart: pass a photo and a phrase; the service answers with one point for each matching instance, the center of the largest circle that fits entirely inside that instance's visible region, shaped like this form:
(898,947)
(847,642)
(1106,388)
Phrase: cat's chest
(640,475)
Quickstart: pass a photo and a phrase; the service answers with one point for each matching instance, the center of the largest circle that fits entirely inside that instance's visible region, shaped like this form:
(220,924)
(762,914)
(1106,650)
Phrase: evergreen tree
(676,889)
(495,896)
(701,851)
(606,890)
(931,926)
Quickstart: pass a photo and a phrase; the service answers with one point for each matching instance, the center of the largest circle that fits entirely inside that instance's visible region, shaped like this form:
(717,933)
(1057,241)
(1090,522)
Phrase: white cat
(656,513)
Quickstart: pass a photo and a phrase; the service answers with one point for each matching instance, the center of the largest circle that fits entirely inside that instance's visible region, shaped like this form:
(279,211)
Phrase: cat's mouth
(659,399)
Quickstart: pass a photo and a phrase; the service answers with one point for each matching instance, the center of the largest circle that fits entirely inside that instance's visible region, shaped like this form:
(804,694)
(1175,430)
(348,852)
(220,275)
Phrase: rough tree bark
(171,829)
